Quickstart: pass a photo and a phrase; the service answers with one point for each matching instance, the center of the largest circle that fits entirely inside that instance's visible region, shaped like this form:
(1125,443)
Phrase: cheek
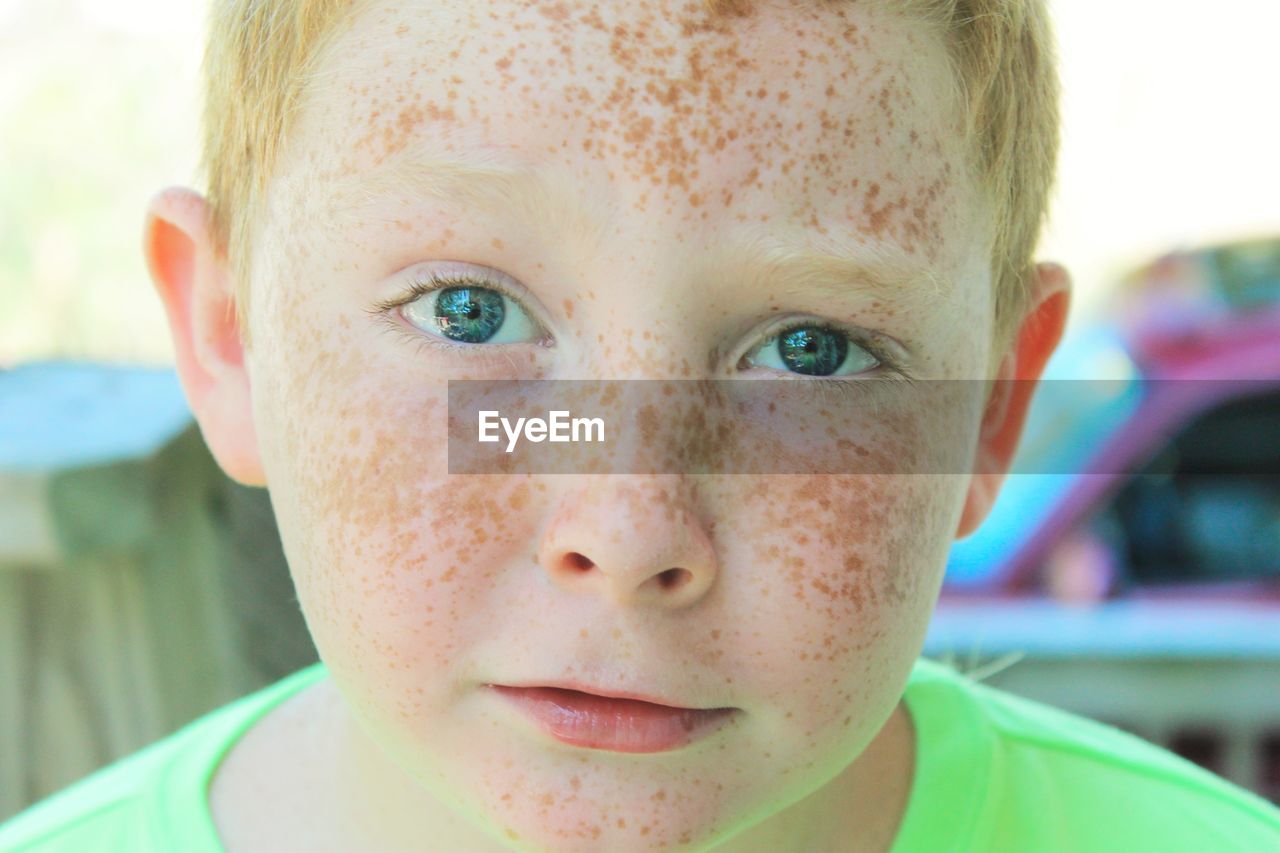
(395,563)
(844,571)
(838,575)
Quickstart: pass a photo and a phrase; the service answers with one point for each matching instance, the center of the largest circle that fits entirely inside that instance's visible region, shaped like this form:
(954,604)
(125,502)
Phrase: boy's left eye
(813,350)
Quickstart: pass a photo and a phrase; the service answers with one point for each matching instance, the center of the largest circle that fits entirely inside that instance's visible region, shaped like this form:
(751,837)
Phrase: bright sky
(1171,133)
(1170,138)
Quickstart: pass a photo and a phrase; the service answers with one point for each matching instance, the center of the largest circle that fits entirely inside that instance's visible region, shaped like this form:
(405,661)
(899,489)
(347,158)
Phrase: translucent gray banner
(842,426)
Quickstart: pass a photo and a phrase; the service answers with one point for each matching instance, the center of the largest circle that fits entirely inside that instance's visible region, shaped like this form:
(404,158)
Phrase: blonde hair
(261,53)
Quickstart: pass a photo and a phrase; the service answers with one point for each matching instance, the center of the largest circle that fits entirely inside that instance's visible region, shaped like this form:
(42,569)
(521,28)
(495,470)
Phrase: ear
(1034,340)
(193,282)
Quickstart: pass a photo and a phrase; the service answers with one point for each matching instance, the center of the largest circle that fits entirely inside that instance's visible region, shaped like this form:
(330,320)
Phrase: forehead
(833,120)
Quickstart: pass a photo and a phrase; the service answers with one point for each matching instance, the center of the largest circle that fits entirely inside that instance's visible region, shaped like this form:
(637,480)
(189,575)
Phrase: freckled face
(663,135)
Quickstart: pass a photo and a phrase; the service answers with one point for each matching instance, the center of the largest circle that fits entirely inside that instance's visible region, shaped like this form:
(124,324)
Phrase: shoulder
(153,799)
(1060,781)
(99,812)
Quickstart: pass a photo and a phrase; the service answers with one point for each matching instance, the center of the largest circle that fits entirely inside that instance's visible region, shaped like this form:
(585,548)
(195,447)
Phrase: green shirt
(993,772)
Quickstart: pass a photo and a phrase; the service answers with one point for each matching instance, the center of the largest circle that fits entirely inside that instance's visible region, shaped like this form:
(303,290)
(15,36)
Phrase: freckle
(497,243)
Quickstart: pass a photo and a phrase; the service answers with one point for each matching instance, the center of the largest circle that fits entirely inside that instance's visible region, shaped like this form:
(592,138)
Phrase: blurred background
(1136,582)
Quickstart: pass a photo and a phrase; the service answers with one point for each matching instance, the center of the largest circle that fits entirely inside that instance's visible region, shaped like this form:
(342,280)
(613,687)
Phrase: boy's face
(661,140)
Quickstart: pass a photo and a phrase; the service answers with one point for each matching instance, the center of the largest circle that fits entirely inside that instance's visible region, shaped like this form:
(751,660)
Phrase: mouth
(617,723)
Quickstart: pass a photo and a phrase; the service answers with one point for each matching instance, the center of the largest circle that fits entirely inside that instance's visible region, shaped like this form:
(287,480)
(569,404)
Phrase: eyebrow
(832,266)
(483,176)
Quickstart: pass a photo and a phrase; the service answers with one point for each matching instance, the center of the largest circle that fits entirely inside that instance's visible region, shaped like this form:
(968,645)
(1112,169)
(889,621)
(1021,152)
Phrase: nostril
(578,562)
(674,578)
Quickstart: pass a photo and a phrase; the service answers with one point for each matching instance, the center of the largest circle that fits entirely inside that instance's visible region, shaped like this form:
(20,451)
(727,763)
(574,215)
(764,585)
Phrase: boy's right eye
(466,310)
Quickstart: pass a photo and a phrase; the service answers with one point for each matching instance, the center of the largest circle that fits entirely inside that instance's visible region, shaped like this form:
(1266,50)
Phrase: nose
(634,540)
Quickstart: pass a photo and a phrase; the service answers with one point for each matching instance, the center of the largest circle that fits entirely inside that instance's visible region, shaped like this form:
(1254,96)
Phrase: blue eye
(470,314)
(466,311)
(813,350)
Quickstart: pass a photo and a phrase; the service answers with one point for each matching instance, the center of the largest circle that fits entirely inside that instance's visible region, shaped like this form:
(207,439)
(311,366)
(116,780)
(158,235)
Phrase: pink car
(1151,465)
(1131,570)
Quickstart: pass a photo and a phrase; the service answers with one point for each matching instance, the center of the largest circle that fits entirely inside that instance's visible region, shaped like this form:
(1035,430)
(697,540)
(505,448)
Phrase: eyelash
(888,367)
(426,283)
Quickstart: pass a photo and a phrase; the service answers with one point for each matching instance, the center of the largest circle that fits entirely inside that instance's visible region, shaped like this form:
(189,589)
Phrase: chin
(637,827)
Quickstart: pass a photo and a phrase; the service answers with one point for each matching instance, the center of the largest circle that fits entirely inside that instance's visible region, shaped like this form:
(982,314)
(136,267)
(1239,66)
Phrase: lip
(611,720)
